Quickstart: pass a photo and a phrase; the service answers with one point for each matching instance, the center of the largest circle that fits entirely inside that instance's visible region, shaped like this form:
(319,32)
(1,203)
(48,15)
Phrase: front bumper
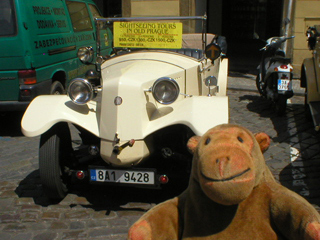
(42,88)
(10,106)
(33,90)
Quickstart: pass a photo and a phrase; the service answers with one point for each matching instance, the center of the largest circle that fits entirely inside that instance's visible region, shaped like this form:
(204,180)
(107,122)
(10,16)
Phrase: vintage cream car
(310,76)
(131,118)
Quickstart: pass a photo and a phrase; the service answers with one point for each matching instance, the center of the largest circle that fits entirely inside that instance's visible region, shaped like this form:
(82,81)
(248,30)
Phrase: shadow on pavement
(240,74)
(10,124)
(296,159)
(110,198)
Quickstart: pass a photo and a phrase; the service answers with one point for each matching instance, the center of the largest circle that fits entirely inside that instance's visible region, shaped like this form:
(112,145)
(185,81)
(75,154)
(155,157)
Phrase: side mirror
(213,51)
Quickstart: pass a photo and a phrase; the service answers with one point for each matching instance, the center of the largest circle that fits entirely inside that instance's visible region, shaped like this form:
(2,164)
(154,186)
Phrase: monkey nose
(222,163)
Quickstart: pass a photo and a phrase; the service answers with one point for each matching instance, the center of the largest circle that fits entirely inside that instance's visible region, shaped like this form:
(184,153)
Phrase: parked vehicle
(39,44)
(310,76)
(135,114)
(274,80)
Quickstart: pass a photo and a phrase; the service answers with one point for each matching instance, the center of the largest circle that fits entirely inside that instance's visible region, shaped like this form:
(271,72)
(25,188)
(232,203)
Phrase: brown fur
(231,195)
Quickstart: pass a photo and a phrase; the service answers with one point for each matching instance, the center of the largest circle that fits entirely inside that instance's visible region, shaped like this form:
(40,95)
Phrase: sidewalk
(247,82)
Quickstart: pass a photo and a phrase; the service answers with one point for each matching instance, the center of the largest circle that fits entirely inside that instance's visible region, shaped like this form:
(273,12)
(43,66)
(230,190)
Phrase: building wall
(109,8)
(214,12)
(141,8)
(100,5)
(306,13)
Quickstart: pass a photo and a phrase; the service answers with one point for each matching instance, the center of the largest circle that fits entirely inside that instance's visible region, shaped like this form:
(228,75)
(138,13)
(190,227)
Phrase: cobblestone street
(107,213)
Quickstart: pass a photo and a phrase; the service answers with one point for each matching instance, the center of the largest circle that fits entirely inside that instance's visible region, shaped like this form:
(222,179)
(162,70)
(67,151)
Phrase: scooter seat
(283,60)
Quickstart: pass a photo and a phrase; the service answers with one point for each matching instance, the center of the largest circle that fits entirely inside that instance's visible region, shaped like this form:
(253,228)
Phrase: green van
(39,42)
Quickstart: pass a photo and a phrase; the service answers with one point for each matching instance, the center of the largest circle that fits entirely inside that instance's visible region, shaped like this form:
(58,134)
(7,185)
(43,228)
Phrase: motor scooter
(274,80)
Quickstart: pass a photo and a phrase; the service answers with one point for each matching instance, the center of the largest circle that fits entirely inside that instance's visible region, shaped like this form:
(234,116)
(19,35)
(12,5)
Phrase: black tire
(281,105)
(307,111)
(259,85)
(54,156)
(303,84)
(56,88)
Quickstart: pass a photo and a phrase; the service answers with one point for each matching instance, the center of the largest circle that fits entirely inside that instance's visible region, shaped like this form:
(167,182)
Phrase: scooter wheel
(259,84)
(281,105)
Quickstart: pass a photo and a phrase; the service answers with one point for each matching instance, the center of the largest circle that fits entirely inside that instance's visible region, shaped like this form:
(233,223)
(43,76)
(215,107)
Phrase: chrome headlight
(211,81)
(165,90)
(85,54)
(80,91)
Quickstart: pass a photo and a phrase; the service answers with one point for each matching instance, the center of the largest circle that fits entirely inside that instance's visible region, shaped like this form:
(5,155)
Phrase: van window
(7,18)
(94,11)
(79,16)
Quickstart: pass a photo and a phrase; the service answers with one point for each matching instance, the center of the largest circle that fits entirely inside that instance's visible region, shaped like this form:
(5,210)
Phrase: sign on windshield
(148,34)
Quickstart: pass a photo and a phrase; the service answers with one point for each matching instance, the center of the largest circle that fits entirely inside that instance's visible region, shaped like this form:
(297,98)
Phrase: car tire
(56,88)
(54,154)
(307,110)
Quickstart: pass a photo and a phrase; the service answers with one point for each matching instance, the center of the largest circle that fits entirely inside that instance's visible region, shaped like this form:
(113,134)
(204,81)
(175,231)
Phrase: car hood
(130,80)
(168,57)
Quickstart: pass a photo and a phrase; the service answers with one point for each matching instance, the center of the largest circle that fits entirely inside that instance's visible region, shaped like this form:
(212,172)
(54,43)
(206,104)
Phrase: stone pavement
(107,213)
(294,153)
(247,82)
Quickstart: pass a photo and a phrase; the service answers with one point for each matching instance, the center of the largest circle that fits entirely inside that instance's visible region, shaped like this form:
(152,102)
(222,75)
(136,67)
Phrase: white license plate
(122,176)
(283,84)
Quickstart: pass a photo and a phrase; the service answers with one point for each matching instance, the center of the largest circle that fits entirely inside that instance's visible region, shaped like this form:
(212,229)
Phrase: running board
(315,113)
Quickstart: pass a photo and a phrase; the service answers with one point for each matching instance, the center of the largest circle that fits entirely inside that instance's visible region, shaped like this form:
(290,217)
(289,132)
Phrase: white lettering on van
(55,42)
(84,37)
(45,24)
(58,11)
(61,23)
(41,10)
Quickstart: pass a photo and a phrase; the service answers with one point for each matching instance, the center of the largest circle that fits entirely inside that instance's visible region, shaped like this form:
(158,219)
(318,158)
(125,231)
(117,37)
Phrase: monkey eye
(240,139)
(208,140)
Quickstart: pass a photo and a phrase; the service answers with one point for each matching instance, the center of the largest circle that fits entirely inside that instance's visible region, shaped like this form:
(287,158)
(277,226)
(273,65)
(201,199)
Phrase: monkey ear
(263,140)
(193,143)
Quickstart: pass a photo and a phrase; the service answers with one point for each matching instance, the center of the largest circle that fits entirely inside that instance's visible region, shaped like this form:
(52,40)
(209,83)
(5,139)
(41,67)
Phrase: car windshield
(165,33)
(7,18)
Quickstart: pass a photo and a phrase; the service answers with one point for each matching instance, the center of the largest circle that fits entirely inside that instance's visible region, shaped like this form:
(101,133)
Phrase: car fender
(47,110)
(310,80)
(199,113)
(223,77)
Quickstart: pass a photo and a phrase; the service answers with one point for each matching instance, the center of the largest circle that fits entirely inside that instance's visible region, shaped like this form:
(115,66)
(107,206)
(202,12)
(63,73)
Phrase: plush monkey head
(228,162)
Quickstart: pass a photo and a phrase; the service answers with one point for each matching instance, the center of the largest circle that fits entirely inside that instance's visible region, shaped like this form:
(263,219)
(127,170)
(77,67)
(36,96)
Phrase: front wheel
(55,155)
(281,105)
(259,85)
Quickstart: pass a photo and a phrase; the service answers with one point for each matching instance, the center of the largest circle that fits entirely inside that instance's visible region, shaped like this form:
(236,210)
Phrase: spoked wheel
(55,155)
(259,84)
(281,105)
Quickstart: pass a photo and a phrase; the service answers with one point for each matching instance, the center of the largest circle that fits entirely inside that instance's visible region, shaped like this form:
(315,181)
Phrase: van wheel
(55,155)
(56,88)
